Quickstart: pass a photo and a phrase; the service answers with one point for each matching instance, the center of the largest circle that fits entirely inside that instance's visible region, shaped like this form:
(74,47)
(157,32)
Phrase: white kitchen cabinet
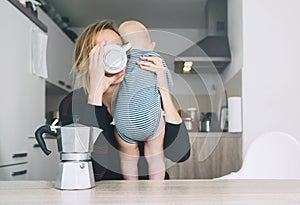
(16,172)
(22,93)
(59,54)
(41,166)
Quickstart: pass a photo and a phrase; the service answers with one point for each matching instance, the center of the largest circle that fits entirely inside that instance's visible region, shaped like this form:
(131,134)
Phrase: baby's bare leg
(154,154)
(129,156)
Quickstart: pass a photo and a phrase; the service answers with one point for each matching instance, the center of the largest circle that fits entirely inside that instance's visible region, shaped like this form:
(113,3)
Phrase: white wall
(271,72)
(235,38)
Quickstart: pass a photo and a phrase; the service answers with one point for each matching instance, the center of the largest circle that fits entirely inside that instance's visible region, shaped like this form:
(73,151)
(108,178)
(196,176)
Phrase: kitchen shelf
(28,14)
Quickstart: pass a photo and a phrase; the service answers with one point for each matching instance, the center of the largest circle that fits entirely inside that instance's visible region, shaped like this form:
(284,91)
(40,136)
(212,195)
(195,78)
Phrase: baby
(138,115)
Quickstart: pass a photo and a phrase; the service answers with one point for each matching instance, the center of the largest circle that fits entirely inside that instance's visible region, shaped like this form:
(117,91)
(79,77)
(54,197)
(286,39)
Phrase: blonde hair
(83,46)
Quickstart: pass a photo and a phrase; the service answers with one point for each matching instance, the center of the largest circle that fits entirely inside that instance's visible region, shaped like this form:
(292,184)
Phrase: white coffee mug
(115,57)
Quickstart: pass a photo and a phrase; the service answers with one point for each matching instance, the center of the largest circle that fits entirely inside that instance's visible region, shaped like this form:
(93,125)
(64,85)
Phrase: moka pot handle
(39,137)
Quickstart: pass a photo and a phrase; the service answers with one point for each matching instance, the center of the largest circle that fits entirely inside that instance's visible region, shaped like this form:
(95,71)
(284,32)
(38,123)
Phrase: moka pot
(75,144)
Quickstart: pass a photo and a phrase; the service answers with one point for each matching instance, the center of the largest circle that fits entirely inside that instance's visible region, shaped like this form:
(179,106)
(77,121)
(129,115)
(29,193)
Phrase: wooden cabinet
(212,155)
(22,93)
(59,54)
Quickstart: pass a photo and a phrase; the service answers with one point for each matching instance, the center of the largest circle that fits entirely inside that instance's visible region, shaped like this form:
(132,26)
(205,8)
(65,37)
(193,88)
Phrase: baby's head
(137,34)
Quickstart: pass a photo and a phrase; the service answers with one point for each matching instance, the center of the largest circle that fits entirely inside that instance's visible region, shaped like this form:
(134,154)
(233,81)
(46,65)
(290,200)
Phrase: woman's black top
(105,156)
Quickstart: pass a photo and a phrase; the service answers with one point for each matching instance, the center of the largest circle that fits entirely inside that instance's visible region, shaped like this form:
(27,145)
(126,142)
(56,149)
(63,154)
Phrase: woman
(92,104)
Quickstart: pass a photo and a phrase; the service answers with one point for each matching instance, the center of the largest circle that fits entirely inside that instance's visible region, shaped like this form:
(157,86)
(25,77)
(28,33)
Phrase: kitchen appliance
(210,122)
(224,118)
(75,144)
(208,52)
(224,114)
(115,57)
(205,126)
(212,53)
(235,114)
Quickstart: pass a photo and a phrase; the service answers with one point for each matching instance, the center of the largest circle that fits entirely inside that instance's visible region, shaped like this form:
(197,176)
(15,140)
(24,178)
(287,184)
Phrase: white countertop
(241,192)
(215,134)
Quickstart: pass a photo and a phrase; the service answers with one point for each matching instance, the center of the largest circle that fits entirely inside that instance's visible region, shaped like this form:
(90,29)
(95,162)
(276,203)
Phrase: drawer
(12,149)
(14,172)
(12,156)
(41,166)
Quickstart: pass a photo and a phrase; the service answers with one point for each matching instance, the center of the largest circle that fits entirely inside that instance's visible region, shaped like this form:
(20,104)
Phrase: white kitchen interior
(189,90)
(263,38)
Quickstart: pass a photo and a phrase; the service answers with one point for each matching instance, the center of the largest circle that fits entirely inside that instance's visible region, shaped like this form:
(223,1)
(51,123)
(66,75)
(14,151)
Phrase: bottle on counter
(194,118)
(188,123)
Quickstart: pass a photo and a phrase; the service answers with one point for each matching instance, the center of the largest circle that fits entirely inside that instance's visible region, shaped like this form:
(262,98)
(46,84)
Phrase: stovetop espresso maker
(75,144)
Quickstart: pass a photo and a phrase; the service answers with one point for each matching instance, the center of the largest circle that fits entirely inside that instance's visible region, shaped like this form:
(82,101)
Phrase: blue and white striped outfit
(138,106)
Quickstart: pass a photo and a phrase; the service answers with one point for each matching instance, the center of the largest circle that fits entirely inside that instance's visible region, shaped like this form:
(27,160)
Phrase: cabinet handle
(18,155)
(61,82)
(69,86)
(17,173)
(36,146)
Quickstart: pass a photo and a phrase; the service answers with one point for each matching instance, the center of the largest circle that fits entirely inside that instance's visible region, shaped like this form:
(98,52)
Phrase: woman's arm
(176,143)
(170,111)
(99,82)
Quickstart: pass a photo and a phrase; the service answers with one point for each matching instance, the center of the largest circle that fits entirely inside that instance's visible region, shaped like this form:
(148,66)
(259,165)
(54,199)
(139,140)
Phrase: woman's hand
(99,82)
(155,65)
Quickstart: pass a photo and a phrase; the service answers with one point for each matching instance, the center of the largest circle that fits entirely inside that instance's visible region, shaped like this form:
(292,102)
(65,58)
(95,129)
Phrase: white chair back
(273,155)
